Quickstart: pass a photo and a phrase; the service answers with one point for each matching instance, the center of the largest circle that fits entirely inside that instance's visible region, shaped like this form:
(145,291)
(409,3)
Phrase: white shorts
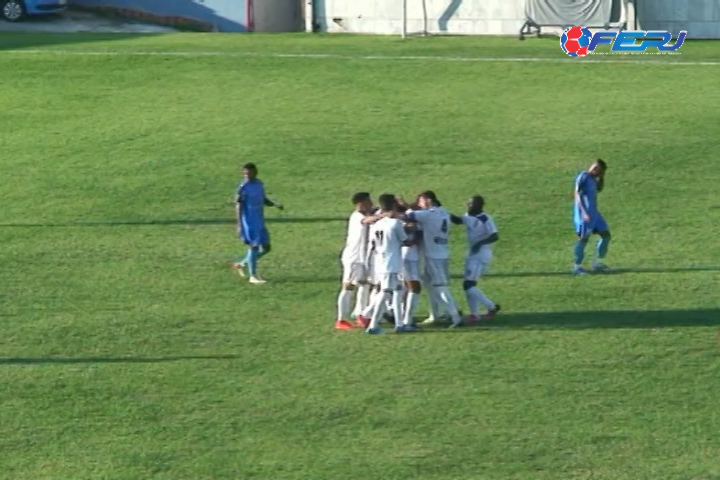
(390,282)
(437,272)
(411,271)
(354,273)
(475,267)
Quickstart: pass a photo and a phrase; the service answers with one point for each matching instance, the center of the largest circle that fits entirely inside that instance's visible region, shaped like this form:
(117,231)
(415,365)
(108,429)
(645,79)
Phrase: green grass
(129,350)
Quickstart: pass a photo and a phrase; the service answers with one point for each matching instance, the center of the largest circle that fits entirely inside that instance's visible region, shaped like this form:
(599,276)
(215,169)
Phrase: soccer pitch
(129,349)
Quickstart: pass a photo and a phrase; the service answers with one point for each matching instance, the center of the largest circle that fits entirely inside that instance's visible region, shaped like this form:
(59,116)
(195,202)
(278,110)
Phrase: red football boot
(362,322)
(491,314)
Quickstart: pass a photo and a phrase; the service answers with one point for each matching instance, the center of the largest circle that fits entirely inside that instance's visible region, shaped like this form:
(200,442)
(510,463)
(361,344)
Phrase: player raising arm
(251,203)
(353,259)
(481,235)
(587,218)
(411,264)
(434,221)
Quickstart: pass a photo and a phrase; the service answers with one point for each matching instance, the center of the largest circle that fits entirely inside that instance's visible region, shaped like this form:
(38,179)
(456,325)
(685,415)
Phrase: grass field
(129,349)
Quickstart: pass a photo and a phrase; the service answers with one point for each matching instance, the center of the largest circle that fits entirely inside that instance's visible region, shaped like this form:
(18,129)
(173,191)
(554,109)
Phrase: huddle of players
(382,259)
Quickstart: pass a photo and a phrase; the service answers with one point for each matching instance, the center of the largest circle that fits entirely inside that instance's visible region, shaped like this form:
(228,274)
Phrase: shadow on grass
(161,222)
(527,273)
(17,40)
(640,319)
(101,359)
(620,319)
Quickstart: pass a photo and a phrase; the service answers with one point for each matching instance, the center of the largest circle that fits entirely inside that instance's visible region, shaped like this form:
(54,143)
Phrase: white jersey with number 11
(389,236)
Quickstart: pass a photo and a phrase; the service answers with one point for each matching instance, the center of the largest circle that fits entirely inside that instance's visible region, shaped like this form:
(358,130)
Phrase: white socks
(370,307)
(397,305)
(434,302)
(475,297)
(410,305)
(473,301)
(449,302)
(344,304)
(362,299)
(378,309)
(487,303)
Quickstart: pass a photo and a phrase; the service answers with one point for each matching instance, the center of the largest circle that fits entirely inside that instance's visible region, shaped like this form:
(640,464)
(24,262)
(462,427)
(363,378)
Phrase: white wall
(701,18)
(493,17)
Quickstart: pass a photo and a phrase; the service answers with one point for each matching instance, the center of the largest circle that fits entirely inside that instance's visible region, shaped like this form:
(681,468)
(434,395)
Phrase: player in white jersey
(411,267)
(481,234)
(353,259)
(434,220)
(363,311)
(389,237)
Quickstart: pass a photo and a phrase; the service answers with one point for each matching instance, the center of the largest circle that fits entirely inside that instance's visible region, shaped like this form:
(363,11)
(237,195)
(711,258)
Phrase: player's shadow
(634,319)
(167,221)
(617,271)
(107,359)
(523,273)
(19,39)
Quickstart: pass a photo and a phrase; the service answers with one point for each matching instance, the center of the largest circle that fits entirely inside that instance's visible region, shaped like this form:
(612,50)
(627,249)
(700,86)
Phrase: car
(15,10)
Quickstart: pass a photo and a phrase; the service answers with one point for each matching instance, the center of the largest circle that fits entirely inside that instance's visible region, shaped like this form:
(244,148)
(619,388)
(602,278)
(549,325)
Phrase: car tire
(12,10)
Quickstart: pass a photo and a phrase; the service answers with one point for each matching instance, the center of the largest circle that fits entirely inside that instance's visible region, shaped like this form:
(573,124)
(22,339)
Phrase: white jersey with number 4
(388,235)
(435,225)
(355,250)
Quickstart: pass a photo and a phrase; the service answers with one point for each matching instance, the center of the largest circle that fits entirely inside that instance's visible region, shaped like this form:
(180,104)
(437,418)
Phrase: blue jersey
(251,197)
(585,197)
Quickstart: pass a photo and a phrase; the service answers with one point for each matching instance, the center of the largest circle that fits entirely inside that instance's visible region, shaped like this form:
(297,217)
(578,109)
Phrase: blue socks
(580,251)
(251,259)
(602,247)
(253,255)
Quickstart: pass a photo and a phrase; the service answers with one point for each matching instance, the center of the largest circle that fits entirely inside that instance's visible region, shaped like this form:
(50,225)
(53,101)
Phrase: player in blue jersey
(251,203)
(587,218)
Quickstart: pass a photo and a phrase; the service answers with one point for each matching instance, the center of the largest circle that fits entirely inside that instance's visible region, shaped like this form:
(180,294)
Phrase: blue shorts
(596,224)
(254,235)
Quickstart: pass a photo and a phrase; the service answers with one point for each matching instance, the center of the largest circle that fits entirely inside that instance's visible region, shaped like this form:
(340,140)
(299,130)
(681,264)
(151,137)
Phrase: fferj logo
(579,41)
(575,41)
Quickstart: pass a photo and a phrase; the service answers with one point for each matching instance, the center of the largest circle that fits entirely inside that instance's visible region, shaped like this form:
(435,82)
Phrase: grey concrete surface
(72,21)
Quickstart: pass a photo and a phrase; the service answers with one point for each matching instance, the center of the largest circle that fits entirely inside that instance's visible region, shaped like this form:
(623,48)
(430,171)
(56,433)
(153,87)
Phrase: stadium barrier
(700,18)
(207,15)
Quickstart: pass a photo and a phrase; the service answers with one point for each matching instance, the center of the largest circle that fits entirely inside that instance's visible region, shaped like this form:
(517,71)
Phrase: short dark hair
(602,163)
(430,195)
(387,202)
(478,200)
(250,166)
(360,197)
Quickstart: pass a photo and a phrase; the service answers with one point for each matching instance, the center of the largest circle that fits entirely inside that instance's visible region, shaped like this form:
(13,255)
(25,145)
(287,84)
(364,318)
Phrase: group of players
(388,246)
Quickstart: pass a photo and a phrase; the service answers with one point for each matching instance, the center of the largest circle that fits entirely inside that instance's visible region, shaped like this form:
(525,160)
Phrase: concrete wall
(701,18)
(493,17)
(218,15)
(210,15)
(277,15)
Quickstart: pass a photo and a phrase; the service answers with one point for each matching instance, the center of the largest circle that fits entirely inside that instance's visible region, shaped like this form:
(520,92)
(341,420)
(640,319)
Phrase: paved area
(71,21)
